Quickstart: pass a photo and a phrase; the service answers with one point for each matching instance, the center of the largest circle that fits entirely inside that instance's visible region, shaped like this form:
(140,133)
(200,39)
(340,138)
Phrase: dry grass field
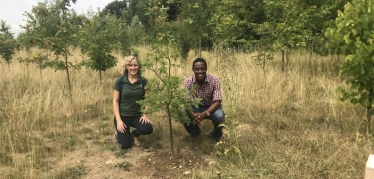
(278,124)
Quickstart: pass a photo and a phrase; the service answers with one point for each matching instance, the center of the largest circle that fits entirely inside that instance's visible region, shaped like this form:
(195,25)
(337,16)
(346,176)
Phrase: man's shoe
(194,135)
(210,136)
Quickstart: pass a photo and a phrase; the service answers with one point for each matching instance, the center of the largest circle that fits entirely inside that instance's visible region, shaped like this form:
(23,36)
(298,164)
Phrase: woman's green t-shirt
(131,93)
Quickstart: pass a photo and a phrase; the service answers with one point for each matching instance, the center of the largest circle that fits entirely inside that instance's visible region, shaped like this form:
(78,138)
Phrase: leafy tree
(8,44)
(289,25)
(184,38)
(353,34)
(293,24)
(39,27)
(124,37)
(167,96)
(52,26)
(195,15)
(155,12)
(137,31)
(232,20)
(98,39)
(139,8)
(174,9)
(148,11)
(132,11)
(37,58)
(261,59)
(323,18)
(39,33)
(129,34)
(115,7)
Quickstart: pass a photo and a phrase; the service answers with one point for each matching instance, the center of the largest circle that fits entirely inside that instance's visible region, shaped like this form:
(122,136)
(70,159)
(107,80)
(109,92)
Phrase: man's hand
(198,119)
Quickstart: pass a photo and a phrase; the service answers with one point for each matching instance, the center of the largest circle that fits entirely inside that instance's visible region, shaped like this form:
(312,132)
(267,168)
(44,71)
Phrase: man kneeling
(206,87)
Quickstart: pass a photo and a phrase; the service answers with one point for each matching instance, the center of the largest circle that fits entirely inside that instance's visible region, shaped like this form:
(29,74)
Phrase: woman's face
(133,67)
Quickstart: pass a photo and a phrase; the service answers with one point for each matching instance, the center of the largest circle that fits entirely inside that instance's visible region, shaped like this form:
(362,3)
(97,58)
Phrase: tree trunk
(368,113)
(368,120)
(170,130)
(100,76)
(310,62)
(288,54)
(169,112)
(200,46)
(65,54)
(311,53)
(264,69)
(41,72)
(67,71)
(282,60)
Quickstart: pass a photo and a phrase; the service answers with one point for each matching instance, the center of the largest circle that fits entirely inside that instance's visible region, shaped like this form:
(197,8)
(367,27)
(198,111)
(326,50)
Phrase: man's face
(199,68)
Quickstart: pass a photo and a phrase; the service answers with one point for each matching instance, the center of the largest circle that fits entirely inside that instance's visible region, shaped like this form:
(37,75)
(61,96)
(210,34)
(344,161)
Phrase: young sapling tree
(98,39)
(353,36)
(52,26)
(167,95)
(8,44)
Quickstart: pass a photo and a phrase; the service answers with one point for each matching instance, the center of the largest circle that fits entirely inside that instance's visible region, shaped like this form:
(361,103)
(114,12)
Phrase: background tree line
(197,24)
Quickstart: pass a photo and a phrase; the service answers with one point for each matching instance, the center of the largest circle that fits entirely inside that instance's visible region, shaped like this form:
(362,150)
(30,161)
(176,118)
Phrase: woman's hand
(121,127)
(144,119)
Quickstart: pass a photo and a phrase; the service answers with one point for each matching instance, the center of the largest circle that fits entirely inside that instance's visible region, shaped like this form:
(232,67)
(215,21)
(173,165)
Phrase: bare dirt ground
(139,162)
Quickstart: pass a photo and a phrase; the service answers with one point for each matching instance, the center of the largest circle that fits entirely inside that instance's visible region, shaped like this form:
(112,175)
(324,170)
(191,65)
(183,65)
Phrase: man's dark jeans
(217,118)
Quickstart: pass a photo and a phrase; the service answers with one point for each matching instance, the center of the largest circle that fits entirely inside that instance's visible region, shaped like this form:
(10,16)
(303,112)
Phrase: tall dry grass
(294,126)
(279,124)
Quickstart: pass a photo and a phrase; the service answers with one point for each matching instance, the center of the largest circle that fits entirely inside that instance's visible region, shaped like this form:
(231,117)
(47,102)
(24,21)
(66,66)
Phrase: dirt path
(135,163)
(104,164)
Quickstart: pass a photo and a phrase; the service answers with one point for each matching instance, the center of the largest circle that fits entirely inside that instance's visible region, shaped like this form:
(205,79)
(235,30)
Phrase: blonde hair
(126,62)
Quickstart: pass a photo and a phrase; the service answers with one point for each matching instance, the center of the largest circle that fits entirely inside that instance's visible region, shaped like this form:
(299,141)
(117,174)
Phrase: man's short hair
(199,60)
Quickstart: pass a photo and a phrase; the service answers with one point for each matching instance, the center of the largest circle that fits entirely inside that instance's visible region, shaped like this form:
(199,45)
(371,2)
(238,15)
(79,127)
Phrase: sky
(11,11)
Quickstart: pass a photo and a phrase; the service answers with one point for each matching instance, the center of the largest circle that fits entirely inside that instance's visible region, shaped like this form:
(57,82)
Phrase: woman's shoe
(115,135)
(137,142)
